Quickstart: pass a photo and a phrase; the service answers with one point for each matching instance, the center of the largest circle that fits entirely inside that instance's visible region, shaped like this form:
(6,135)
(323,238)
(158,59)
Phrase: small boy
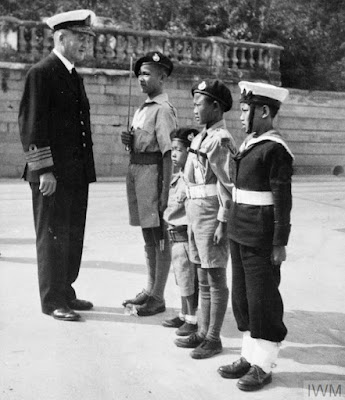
(259,227)
(207,175)
(175,216)
(149,175)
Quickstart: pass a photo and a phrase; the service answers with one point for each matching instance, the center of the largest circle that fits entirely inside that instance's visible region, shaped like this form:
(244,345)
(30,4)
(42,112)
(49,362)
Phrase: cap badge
(202,85)
(156,57)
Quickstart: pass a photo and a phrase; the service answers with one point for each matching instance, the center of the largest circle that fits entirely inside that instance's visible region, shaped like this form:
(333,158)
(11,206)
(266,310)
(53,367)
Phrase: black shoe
(207,349)
(235,370)
(190,342)
(81,305)
(151,307)
(254,379)
(187,329)
(173,323)
(65,314)
(139,299)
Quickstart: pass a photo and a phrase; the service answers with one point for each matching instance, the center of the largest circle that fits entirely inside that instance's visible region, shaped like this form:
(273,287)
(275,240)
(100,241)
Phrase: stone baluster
(243,60)
(131,45)
(139,50)
(121,54)
(226,52)
(234,59)
(251,60)
(206,53)
(100,40)
(47,41)
(110,44)
(22,41)
(260,58)
(34,44)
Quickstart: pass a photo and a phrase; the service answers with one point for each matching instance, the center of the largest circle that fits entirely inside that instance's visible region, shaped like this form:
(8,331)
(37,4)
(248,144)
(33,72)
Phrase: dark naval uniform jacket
(54,121)
(262,173)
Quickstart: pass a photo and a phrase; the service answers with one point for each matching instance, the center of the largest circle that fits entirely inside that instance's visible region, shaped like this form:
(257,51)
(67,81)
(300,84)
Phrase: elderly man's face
(74,45)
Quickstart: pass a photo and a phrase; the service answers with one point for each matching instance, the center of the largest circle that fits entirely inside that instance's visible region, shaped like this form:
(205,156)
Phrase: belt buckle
(234,194)
(172,235)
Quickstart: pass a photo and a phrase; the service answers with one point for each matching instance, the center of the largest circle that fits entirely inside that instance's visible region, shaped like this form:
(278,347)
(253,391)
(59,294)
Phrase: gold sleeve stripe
(39,158)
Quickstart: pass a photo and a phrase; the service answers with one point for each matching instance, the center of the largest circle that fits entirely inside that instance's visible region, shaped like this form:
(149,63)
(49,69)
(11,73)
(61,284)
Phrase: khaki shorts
(184,269)
(202,219)
(142,195)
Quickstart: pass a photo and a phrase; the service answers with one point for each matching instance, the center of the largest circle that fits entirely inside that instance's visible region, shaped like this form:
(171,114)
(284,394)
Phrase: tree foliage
(312,32)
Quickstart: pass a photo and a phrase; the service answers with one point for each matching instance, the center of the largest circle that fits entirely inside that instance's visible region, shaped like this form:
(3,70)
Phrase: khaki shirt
(153,124)
(175,213)
(214,142)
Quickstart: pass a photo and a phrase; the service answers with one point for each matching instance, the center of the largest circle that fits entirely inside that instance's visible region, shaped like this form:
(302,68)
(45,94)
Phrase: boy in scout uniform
(54,124)
(176,218)
(207,176)
(259,227)
(149,175)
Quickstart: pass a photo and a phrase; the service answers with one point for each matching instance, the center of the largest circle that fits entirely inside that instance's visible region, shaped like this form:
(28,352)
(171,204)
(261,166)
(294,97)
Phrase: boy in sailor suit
(259,227)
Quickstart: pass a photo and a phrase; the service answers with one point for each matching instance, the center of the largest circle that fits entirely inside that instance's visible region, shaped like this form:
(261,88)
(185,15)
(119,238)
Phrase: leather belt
(146,158)
(178,234)
(201,191)
(252,197)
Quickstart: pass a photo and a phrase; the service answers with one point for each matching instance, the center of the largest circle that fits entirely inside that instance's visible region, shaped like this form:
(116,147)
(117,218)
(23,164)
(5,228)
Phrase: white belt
(201,191)
(252,197)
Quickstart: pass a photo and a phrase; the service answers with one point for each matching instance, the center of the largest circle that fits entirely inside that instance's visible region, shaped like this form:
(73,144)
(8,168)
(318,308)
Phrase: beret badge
(202,85)
(156,57)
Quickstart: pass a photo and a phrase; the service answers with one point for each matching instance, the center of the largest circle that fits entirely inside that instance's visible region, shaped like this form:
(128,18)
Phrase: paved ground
(111,356)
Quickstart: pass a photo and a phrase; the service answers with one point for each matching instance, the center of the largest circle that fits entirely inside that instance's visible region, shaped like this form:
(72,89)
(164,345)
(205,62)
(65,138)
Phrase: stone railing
(27,41)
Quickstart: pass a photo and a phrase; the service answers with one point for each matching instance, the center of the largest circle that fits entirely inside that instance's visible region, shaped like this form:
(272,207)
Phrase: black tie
(74,73)
(75,78)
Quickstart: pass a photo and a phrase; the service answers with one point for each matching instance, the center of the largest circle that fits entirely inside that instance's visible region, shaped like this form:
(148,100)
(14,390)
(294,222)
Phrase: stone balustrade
(28,41)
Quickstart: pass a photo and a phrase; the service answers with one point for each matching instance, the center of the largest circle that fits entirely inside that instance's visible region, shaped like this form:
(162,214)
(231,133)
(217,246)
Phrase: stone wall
(312,122)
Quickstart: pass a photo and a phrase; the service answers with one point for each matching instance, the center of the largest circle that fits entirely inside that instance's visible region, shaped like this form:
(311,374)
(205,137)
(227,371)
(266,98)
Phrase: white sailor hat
(262,93)
(76,21)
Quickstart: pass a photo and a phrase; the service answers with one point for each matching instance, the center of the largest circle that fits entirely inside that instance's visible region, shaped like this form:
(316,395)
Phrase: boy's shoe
(190,342)
(235,370)
(151,307)
(207,349)
(255,379)
(173,322)
(187,329)
(139,299)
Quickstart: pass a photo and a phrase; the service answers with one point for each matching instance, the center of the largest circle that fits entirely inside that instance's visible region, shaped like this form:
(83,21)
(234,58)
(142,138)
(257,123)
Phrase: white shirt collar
(64,60)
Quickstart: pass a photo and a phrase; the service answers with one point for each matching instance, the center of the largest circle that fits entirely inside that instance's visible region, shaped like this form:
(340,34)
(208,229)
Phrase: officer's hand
(127,138)
(278,255)
(47,184)
(220,234)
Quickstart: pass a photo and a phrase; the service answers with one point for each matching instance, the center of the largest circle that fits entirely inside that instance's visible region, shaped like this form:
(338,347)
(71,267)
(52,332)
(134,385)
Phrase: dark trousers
(59,225)
(256,301)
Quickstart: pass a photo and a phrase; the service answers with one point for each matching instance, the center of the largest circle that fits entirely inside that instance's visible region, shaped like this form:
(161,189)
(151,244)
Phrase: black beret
(154,57)
(215,89)
(185,134)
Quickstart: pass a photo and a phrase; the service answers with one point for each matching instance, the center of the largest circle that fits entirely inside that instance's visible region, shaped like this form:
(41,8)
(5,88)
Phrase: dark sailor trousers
(256,301)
